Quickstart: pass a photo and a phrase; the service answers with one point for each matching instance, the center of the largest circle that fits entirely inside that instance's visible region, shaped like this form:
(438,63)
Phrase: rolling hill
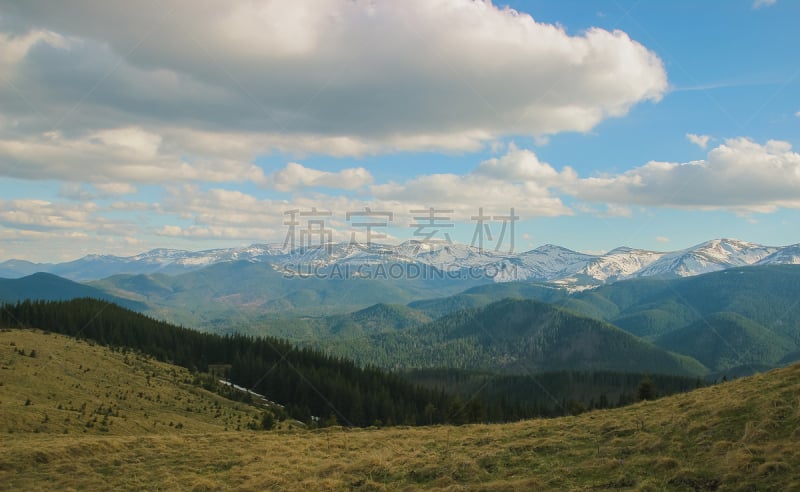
(309,383)
(722,341)
(514,336)
(47,287)
(377,318)
(740,435)
(53,384)
(764,294)
(483,295)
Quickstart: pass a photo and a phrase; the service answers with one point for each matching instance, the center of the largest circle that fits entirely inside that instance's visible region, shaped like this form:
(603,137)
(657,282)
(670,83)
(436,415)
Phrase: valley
(411,382)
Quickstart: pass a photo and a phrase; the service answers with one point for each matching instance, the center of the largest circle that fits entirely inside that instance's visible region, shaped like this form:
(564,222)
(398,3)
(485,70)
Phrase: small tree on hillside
(647,390)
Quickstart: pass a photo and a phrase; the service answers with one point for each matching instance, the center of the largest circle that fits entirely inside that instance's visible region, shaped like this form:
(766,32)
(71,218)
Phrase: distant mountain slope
(47,287)
(548,263)
(244,293)
(378,318)
(789,255)
(484,295)
(648,307)
(747,316)
(20,268)
(515,336)
(161,260)
(714,255)
(722,341)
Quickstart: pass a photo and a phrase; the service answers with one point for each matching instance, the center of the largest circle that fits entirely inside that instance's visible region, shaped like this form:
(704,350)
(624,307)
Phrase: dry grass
(73,387)
(743,435)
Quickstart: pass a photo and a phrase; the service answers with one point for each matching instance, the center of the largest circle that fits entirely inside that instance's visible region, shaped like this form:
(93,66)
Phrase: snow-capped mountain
(710,256)
(162,260)
(789,255)
(619,264)
(547,263)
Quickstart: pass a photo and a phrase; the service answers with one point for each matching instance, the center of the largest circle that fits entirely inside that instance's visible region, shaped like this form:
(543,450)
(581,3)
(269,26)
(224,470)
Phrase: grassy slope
(742,435)
(144,396)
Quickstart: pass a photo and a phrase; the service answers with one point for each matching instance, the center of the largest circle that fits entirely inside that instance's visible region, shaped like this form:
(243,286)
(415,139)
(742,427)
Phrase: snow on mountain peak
(549,263)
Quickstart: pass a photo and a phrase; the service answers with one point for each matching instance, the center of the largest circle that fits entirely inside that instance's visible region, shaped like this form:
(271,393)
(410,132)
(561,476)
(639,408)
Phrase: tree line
(318,387)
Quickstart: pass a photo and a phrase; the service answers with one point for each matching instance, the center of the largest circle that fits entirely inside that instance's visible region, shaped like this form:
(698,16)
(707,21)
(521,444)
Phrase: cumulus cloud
(82,192)
(329,76)
(296,176)
(219,214)
(117,155)
(43,215)
(523,165)
(739,175)
(518,179)
(699,140)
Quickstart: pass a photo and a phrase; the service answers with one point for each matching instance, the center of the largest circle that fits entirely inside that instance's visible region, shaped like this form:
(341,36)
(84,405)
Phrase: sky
(127,126)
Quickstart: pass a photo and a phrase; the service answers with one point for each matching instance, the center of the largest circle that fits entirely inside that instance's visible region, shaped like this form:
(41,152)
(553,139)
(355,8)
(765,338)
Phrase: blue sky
(651,124)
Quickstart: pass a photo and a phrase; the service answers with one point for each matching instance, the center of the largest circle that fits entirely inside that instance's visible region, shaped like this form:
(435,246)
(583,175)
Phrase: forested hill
(307,382)
(515,337)
(48,287)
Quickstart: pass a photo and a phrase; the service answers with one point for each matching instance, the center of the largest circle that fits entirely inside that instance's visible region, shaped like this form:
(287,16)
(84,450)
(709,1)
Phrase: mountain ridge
(547,263)
(49,287)
(514,336)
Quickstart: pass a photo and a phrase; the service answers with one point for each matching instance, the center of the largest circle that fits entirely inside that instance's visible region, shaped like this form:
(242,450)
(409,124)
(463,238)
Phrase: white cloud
(219,213)
(739,175)
(522,165)
(43,215)
(757,4)
(797,114)
(76,192)
(662,239)
(699,140)
(517,179)
(114,189)
(296,176)
(332,77)
(15,48)
(111,156)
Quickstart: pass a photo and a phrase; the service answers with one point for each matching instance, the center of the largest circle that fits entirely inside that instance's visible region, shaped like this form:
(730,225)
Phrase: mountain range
(548,263)
(736,321)
(724,306)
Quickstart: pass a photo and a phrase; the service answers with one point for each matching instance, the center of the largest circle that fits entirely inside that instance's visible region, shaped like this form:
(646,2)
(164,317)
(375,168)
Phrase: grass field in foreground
(741,435)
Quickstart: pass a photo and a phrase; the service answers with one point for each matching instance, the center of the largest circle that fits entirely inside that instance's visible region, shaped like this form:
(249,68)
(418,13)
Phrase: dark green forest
(513,336)
(305,381)
(310,383)
(551,394)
